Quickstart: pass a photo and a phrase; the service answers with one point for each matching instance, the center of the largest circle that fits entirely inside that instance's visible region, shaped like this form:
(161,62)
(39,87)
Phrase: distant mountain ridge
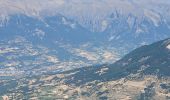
(50,29)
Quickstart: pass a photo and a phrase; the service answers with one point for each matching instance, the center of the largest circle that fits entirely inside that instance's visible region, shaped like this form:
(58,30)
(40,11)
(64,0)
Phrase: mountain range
(83,49)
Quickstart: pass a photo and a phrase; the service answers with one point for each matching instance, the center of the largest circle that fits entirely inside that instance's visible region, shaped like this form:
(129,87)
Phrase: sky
(78,6)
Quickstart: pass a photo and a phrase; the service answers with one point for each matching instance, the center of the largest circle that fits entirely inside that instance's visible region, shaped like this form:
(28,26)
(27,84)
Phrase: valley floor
(53,87)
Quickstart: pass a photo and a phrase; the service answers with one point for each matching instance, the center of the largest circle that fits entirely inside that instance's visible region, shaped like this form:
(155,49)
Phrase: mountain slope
(153,58)
(147,60)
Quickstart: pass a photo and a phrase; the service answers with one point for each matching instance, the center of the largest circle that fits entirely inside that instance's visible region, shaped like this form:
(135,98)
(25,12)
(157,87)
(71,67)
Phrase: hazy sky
(77,6)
